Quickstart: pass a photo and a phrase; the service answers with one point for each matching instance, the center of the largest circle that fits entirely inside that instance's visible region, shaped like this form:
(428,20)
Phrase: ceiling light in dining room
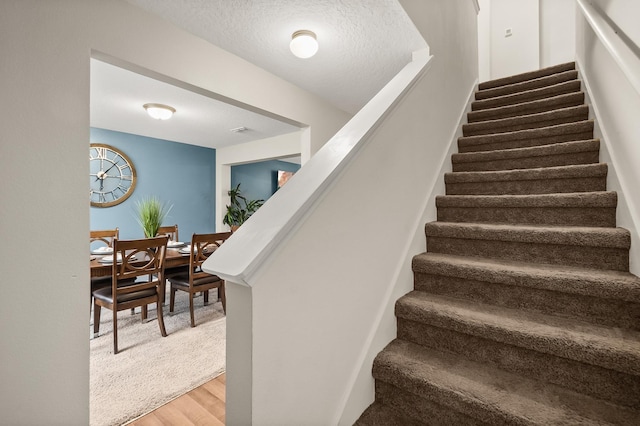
(304,44)
(159,111)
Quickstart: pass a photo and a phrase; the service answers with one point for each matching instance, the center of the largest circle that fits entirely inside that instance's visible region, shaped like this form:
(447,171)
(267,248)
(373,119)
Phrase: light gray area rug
(150,370)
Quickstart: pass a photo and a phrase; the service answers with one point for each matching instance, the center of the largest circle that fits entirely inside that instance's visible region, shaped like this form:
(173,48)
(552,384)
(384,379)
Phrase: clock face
(112,177)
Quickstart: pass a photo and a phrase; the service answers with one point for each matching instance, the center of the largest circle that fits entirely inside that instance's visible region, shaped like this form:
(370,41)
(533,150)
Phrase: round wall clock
(112,176)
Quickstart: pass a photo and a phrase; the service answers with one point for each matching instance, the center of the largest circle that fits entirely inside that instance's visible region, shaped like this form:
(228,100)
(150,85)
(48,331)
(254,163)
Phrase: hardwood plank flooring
(205,405)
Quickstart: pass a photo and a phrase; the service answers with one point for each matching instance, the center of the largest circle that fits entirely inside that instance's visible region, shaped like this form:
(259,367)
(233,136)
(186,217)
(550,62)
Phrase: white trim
(240,257)
(626,59)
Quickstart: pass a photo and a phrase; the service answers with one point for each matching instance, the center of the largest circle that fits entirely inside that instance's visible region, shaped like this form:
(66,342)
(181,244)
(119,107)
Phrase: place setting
(103,251)
(175,244)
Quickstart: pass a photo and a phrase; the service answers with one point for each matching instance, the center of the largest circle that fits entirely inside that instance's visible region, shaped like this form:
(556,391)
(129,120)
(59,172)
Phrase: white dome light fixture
(304,44)
(159,111)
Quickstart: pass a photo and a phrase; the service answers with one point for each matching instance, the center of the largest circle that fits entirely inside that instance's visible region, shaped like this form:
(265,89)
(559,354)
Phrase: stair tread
(567,199)
(572,111)
(521,86)
(556,172)
(616,349)
(566,128)
(530,75)
(487,393)
(526,96)
(544,234)
(556,102)
(533,151)
(605,284)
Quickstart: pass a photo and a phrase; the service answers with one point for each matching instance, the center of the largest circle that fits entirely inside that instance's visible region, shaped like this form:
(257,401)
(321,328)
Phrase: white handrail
(238,259)
(626,59)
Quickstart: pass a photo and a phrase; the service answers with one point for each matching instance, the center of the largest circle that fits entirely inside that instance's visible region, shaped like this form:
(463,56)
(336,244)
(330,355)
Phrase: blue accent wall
(259,180)
(176,173)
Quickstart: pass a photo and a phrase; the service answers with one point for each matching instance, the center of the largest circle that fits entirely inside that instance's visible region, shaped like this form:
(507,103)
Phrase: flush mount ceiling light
(303,44)
(159,111)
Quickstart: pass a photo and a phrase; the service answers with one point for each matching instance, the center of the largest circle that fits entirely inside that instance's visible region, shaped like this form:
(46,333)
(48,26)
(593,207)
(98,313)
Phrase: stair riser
(569,100)
(607,312)
(568,159)
(561,216)
(557,254)
(569,87)
(493,144)
(422,409)
(524,187)
(602,383)
(471,130)
(446,398)
(528,85)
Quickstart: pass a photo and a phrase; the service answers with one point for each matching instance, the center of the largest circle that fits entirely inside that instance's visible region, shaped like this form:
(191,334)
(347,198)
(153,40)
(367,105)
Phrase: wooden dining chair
(170,231)
(195,280)
(142,261)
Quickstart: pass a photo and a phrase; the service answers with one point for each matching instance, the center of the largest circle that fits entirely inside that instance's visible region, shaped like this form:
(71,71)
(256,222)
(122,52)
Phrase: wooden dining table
(101,269)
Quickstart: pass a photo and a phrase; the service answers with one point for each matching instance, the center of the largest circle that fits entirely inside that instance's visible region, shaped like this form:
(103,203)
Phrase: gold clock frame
(134,176)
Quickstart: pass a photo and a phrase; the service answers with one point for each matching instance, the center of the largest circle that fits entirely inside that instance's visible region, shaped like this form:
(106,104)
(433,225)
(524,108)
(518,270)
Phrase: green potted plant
(151,212)
(240,209)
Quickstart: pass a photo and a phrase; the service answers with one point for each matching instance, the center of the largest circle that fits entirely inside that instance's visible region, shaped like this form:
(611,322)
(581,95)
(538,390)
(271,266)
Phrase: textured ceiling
(363,44)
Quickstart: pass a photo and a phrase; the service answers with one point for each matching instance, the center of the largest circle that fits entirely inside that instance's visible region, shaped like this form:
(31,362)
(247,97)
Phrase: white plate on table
(102,250)
(187,250)
(175,244)
(109,259)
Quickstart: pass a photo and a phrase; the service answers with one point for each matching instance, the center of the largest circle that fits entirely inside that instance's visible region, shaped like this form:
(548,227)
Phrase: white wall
(322,300)
(543,35)
(615,103)
(519,52)
(484,40)
(557,32)
(625,14)
(44,220)
(44,217)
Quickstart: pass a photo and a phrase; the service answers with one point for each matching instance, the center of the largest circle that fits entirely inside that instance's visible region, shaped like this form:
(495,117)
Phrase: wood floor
(204,405)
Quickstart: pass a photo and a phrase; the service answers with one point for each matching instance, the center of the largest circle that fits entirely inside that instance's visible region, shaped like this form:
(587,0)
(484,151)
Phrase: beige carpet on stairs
(523,309)
(150,370)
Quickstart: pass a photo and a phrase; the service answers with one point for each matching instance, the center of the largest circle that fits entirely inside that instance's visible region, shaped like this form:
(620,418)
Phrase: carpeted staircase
(524,312)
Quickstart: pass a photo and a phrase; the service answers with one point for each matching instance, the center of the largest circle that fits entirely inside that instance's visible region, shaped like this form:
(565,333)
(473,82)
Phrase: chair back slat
(170,231)
(202,246)
(105,236)
(144,257)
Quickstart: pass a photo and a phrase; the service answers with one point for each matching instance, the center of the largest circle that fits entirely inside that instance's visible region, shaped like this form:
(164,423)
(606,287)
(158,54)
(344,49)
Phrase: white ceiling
(363,44)
(117,97)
